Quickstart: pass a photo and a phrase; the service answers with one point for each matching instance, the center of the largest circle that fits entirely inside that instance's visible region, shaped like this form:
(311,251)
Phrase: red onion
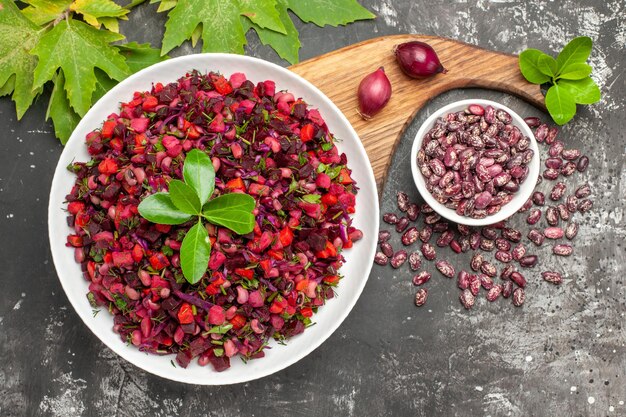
(418,59)
(374,93)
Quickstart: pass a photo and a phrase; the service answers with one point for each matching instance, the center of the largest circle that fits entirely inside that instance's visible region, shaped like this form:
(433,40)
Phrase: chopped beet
(267,284)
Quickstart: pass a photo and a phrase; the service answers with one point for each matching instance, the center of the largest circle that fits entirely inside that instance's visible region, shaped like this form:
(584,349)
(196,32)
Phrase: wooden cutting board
(339,73)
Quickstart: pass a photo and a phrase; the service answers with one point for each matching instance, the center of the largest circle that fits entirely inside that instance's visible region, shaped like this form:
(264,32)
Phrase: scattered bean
(398,259)
(519,296)
(467,299)
(571,230)
(583,191)
(518,279)
(402,224)
(558,191)
(506,272)
(494,292)
(421,278)
(536,237)
(552,277)
(582,164)
(384,236)
(518,251)
(415,261)
(463,279)
(410,236)
(426,233)
(528,261)
(387,249)
(421,296)
(381,259)
(553,232)
(533,216)
(390,218)
(562,249)
(487,268)
(585,206)
(403,201)
(474,285)
(428,251)
(552,216)
(477,261)
(507,289)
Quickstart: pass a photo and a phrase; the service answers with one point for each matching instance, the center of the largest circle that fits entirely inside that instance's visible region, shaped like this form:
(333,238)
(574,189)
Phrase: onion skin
(418,59)
(374,93)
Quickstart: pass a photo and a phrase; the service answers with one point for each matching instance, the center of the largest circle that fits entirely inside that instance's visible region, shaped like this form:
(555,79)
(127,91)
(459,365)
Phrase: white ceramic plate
(358,259)
(521,195)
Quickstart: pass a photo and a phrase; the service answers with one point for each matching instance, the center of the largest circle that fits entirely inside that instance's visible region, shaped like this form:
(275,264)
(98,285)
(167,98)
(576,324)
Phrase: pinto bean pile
(510,248)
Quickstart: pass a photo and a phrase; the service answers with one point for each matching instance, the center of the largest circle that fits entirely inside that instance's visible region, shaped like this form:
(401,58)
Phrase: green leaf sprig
(190,199)
(568,76)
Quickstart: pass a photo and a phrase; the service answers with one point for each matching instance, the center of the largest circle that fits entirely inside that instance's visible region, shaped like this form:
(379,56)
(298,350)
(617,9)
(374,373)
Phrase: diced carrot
(301,285)
(306,311)
(107,128)
(344,177)
(307,132)
(149,103)
(222,85)
(236,184)
(185,314)
(285,236)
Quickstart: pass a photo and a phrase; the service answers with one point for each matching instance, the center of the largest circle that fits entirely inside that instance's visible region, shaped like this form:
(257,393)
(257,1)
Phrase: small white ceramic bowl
(521,195)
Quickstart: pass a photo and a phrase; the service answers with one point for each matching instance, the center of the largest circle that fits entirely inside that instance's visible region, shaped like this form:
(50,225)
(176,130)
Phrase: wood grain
(339,73)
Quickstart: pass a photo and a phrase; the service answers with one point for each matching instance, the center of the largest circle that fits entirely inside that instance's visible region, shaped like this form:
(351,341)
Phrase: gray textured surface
(561,355)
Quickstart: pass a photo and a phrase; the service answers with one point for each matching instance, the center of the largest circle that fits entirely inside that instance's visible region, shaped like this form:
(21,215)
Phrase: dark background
(562,354)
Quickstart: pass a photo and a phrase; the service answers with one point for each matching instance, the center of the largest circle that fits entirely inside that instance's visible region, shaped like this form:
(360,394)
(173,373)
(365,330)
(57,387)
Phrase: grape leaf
(286,45)
(263,13)
(92,10)
(196,35)
(222,30)
(140,55)
(164,5)
(134,3)
(8,87)
(42,12)
(59,110)
(221,27)
(329,12)
(103,84)
(111,23)
(78,48)
(18,35)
